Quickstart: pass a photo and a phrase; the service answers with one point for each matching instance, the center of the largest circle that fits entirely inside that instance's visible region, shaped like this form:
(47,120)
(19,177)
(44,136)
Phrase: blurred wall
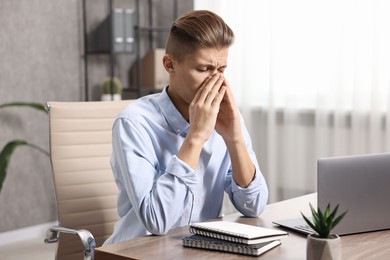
(41,59)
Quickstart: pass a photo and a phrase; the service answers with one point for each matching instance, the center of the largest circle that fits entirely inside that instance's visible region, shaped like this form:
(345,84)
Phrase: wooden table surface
(372,245)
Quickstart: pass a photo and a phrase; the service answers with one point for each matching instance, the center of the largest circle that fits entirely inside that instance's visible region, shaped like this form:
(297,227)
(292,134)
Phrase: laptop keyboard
(305,228)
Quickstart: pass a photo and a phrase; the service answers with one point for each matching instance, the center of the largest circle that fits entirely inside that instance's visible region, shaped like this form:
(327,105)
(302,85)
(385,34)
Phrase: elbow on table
(158,232)
(251,213)
(255,208)
(157,229)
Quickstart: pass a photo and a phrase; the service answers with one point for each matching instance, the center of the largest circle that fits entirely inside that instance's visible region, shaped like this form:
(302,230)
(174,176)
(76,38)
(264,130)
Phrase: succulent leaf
(323,221)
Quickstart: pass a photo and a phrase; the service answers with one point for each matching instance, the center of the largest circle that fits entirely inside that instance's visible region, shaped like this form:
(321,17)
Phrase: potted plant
(323,245)
(111,89)
(8,149)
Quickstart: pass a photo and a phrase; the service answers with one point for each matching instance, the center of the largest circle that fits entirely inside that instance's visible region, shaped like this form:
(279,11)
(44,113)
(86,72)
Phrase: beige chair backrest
(80,146)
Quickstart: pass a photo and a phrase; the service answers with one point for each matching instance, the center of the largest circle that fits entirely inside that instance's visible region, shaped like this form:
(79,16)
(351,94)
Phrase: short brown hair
(199,28)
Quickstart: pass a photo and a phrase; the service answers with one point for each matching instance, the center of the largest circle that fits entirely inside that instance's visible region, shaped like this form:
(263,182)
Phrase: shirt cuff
(256,182)
(182,171)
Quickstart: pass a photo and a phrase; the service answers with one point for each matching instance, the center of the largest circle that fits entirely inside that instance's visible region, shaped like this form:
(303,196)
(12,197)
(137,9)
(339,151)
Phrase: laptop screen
(361,185)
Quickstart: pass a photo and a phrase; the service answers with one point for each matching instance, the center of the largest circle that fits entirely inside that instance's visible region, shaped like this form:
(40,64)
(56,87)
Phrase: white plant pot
(322,248)
(108,97)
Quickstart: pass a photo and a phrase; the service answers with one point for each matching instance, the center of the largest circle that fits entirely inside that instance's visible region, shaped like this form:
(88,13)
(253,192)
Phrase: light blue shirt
(158,191)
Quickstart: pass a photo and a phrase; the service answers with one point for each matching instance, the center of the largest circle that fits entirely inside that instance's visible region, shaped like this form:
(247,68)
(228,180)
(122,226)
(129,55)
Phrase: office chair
(80,149)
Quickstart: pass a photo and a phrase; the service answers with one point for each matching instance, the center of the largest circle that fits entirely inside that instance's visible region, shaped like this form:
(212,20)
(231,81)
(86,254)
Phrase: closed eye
(211,68)
(222,69)
(205,68)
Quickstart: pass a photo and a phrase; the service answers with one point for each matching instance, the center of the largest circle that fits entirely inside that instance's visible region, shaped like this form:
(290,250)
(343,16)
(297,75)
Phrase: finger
(208,87)
(200,90)
(226,83)
(218,99)
(228,89)
(213,92)
(228,98)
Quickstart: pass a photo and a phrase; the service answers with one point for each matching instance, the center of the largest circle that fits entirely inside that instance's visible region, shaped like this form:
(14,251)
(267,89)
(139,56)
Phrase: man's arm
(228,125)
(249,200)
(159,199)
(242,165)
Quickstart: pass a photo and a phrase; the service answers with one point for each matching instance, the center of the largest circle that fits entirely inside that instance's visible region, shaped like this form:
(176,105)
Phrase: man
(176,152)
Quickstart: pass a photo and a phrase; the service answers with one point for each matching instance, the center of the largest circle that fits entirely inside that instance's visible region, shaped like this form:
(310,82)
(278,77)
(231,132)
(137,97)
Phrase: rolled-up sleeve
(161,196)
(250,201)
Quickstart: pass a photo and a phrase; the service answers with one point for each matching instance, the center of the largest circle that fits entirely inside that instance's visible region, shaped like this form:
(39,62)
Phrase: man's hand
(228,125)
(203,112)
(204,107)
(228,121)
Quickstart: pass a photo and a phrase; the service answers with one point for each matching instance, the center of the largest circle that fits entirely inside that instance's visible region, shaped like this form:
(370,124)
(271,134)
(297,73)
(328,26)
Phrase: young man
(176,152)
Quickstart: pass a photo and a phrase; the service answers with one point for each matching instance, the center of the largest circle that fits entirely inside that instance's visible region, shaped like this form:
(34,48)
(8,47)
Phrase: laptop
(359,184)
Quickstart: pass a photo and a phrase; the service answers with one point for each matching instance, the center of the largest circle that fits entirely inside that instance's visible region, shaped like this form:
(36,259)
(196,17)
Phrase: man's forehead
(209,56)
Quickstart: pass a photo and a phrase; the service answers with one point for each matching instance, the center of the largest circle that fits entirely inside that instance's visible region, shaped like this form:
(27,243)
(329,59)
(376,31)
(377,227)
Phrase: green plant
(324,222)
(116,84)
(9,148)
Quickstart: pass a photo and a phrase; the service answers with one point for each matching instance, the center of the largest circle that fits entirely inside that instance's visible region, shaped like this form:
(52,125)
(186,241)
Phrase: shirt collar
(176,121)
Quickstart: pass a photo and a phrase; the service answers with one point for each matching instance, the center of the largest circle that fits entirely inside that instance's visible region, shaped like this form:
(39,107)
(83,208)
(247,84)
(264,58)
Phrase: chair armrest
(87,239)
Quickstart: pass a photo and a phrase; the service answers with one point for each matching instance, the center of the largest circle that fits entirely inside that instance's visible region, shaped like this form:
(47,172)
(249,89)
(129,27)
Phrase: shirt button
(177,130)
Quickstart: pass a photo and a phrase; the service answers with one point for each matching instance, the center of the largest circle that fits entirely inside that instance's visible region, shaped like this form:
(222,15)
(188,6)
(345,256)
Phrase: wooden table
(372,245)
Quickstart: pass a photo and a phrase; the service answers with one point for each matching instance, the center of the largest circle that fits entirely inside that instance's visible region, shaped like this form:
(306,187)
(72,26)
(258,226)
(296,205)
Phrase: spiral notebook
(237,232)
(202,242)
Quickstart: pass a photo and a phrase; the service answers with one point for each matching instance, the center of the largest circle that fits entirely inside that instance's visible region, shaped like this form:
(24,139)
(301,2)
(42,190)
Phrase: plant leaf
(34,105)
(307,220)
(327,212)
(6,153)
(333,214)
(5,157)
(321,223)
(314,215)
(338,219)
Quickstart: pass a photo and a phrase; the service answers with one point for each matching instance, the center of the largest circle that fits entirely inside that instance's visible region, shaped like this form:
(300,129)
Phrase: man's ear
(168,63)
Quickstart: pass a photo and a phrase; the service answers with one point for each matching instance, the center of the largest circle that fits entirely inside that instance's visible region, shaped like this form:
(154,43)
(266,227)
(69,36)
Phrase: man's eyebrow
(210,65)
